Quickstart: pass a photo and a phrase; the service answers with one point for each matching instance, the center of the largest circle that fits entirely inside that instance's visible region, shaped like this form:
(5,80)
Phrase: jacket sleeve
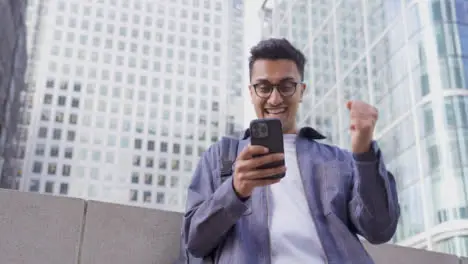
(211,211)
(374,208)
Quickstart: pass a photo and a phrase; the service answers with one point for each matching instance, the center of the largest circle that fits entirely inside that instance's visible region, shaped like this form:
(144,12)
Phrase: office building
(410,60)
(128,94)
(12,86)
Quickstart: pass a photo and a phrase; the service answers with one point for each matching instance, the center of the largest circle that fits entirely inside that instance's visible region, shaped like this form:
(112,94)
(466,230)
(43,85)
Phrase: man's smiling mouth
(276,111)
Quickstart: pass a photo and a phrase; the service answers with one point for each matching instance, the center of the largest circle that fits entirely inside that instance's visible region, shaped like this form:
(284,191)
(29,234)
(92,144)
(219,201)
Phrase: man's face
(281,102)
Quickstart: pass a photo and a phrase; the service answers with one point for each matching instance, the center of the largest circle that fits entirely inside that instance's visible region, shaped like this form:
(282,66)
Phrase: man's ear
(303,89)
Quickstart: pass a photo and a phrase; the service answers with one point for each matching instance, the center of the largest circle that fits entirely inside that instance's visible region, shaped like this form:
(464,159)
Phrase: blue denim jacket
(347,195)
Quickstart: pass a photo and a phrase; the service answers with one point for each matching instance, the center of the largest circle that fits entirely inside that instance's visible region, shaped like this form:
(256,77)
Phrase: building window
(161,180)
(45,116)
(135,178)
(47,99)
(187,166)
(150,145)
(37,167)
(64,188)
(163,147)
(126,126)
(77,87)
(174,181)
(64,86)
(59,117)
(141,111)
(83,154)
(152,130)
(54,151)
(215,107)
(133,195)
(162,163)
(110,157)
(173,200)
(160,198)
(136,160)
(138,143)
(73,119)
(147,196)
(175,164)
(188,150)
(57,134)
(43,132)
(34,185)
(69,153)
(148,178)
(75,102)
(111,140)
(40,150)
(124,142)
(49,187)
(96,156)
(149,162)
(200,151)
(176,148)
(66,170)
(61,100)
(71,136)
(50,83)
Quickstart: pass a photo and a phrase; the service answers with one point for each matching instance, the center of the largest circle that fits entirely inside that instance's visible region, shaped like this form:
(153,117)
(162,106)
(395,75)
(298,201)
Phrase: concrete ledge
(392,254)
(41,229)
(121,234)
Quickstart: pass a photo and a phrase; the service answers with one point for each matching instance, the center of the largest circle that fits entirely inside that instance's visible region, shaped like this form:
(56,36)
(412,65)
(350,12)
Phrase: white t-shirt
(293,236)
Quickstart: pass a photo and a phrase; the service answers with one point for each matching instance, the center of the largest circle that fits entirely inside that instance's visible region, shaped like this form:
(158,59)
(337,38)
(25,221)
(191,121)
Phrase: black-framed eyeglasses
(265,89)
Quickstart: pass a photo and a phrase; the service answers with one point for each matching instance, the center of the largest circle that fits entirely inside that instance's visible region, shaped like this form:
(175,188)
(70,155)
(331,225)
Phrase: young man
(312,215)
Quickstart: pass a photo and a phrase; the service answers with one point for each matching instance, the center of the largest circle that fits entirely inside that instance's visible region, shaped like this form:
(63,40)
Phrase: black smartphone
(268,133)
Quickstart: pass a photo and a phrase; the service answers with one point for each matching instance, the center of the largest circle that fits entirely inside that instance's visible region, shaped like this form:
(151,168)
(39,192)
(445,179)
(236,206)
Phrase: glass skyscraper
(12,72)
(125,95)
(410,60)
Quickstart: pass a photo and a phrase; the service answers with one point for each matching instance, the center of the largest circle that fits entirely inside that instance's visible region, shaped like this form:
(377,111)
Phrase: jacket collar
(306,132)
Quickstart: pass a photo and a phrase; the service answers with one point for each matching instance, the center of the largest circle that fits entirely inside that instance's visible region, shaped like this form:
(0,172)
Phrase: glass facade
(12,72)
(410,60)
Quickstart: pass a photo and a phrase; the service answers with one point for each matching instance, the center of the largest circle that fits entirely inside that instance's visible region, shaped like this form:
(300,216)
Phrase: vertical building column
(338,79)
(311,80)
(436,96)
(364,4)
(414,114)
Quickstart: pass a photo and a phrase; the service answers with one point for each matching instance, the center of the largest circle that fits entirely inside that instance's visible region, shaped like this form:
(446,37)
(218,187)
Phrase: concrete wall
(40,229)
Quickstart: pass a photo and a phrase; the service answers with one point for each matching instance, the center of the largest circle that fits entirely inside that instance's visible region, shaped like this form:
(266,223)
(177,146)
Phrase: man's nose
(275,98)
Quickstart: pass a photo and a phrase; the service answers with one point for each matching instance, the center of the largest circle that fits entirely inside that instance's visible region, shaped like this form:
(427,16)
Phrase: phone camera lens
(255,130)
(260,130)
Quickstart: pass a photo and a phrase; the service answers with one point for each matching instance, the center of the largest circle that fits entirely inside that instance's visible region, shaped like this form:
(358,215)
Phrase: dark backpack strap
(228,157)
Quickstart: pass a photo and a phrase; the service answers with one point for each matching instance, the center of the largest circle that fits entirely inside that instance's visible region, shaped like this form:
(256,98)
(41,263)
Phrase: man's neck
(290,131)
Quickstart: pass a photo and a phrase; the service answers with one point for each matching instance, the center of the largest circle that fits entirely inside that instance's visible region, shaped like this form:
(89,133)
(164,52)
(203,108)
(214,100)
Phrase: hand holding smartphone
(268,133)
(261,163)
